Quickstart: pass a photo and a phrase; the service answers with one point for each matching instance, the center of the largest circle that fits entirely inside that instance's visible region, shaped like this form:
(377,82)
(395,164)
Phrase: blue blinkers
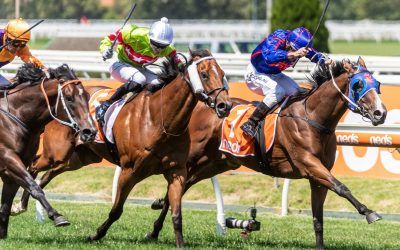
(361,82)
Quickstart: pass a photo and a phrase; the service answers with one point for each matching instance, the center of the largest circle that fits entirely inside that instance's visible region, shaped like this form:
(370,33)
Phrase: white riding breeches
(4,82)
(122,72)
(274,87)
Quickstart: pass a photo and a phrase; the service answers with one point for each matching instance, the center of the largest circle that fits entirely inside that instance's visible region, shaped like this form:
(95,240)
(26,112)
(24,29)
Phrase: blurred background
(226,26)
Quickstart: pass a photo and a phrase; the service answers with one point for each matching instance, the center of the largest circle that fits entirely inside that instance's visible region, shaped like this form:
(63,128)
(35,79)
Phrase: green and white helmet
(161,32)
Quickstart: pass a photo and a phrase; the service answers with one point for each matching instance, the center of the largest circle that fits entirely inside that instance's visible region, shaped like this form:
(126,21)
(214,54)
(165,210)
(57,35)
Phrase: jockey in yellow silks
(13,33)
(137,47)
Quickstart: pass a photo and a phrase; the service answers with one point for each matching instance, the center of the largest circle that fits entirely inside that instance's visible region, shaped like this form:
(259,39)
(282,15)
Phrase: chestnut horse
(205,160)
(305,142)
(26,109)
(151,136)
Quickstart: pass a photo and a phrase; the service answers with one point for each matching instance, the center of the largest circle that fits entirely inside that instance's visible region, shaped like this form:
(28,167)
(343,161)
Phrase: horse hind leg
(343,191)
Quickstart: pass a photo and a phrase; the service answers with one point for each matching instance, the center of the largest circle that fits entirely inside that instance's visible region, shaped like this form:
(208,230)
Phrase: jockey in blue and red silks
(277,52)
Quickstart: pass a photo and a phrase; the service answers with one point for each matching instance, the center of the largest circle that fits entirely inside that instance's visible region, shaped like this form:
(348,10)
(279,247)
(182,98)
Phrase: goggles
(158,45)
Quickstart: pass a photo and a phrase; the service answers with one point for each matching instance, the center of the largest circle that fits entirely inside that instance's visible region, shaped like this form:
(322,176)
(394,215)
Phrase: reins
(72,123)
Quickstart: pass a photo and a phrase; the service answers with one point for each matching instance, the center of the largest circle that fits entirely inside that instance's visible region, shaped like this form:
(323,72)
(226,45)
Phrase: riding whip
(33,26)
(126,20)
(315,31)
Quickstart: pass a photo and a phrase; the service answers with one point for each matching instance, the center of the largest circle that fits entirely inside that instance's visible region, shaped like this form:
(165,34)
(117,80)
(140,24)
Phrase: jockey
(137,47)
(280,50)
(13,33)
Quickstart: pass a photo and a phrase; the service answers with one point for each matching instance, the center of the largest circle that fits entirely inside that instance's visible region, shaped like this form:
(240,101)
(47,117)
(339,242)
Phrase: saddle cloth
(109,117)
(235,142)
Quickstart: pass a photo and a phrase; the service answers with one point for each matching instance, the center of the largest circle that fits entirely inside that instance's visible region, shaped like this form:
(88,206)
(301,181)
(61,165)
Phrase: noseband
(193,79)
(61,84)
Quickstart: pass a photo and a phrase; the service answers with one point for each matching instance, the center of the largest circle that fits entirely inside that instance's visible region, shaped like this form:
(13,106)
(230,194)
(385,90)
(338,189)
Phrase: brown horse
(151,136)
(316,142)
(305,142)
(26,110)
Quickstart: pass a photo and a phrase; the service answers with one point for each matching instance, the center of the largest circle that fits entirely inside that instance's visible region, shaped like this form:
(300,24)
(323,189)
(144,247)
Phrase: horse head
(364,91)
(356,85)
(71,107)
(208,81)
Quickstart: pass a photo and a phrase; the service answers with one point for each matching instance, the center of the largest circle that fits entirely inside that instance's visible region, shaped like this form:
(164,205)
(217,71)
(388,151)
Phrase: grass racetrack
(291,232)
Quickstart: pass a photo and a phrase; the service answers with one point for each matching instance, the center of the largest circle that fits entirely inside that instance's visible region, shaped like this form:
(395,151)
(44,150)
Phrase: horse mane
(30,74)
(170,69)
(321,73)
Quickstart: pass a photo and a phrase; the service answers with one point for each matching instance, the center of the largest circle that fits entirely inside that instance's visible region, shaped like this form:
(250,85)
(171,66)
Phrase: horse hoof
(150,237)
(372,217)
(16,210)
(60,221)
(157,204)
(90,238)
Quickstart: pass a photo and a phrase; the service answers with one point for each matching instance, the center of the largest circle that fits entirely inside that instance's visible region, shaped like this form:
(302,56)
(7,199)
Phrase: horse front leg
(318,195)
(320,174)
(343,191)
(127,180)
(17,172)
(176,183)
(10,188)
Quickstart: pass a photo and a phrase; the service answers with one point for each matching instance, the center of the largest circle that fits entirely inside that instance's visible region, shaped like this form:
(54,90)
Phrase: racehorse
(324,106)
(26,109)
(151,134)
(305,142)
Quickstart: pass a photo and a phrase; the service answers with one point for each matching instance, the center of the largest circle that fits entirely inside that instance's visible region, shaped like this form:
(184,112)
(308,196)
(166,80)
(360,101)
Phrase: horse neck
(33,110)
(326,105)
(174,105)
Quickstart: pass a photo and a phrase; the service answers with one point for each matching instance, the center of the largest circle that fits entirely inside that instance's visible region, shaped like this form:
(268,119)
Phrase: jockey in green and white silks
(137,47)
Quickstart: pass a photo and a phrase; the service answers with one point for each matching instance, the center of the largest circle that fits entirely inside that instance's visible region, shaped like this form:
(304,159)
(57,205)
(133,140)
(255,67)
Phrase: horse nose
(224,108)
(379,116)
(87,135)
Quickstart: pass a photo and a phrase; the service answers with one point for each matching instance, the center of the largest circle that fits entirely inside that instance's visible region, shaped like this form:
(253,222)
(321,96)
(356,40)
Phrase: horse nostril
(88,134)
(221,106)
(377,114)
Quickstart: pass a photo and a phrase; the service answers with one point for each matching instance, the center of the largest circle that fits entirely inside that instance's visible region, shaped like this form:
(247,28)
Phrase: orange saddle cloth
(94,101)
(235,142)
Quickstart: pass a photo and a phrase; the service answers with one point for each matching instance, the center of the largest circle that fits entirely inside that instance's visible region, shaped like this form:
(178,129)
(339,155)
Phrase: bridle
(60,96)
(193,79)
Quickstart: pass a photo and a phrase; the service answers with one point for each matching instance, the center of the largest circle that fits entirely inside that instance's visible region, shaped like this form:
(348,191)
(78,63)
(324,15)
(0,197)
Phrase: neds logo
(381,140)
(347,139)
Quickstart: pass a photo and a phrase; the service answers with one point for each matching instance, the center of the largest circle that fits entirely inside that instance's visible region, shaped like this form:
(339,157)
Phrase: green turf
(291,232)
(383,48)
(380,195)
(39,43)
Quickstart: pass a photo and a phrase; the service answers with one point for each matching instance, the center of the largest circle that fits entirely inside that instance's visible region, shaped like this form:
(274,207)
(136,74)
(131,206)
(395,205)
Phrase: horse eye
(358,86)
(204,75)
(68,98)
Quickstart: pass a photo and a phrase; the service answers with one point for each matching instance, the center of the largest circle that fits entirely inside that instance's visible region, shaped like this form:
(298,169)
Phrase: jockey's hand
(301,52)
(107,53)
(329,61)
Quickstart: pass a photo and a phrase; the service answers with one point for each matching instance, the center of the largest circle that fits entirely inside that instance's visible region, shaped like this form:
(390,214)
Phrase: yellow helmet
(15,28)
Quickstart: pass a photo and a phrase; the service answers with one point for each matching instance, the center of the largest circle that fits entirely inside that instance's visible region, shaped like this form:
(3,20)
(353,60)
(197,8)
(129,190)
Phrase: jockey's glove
(107,53)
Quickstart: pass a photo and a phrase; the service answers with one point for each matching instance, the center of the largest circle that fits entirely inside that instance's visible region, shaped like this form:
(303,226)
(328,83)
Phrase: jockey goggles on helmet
(16,43)
(158,45)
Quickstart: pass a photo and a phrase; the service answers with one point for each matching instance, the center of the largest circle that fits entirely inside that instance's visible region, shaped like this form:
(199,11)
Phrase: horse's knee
(340,188)
(177,221)
(318,226)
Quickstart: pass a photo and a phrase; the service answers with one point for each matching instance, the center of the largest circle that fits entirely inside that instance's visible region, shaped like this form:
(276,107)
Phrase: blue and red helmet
(299,38)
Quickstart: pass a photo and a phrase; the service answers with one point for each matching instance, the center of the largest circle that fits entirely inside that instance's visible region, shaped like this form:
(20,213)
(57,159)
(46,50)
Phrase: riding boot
(119,93)
(250,126)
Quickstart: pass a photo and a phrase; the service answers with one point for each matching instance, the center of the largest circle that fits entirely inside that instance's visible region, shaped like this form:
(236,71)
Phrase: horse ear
(348,66)
(361,62)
